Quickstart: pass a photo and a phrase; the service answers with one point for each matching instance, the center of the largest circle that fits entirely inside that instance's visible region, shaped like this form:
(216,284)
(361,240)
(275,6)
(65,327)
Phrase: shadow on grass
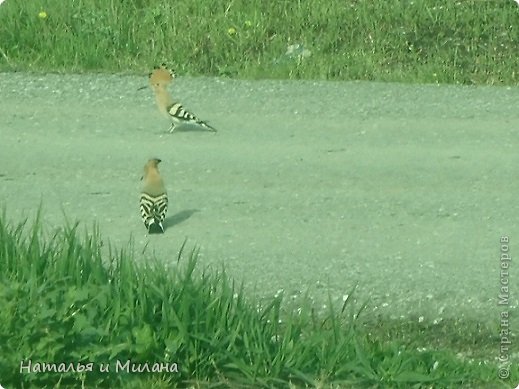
(179,217)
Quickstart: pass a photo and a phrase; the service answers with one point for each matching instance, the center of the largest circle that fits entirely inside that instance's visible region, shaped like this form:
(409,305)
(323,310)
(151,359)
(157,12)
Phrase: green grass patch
(470,41)
(67,298)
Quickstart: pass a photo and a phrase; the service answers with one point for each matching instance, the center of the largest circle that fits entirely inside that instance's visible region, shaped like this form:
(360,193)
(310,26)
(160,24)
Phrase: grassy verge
(64,302)
(470,41)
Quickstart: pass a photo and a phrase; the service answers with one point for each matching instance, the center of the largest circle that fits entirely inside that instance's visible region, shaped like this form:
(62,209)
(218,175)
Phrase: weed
(465,42)
(67,307)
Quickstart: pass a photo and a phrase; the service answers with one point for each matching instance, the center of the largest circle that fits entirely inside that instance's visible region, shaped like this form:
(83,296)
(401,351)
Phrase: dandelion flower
(42,15)
(231,31)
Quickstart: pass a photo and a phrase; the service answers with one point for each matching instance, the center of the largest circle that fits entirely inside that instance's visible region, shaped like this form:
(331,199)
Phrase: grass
(68,298)
(65,297)
(431,41)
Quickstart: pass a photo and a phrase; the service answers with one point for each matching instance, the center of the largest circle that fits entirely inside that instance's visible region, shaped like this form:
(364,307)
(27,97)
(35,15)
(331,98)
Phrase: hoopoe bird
(154,198)
(159,80)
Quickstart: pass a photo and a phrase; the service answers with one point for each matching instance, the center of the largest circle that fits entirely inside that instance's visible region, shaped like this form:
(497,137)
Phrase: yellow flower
(231,31)
(42,15)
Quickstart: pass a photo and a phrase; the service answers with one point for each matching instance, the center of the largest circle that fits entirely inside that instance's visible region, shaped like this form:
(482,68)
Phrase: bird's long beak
(142,87)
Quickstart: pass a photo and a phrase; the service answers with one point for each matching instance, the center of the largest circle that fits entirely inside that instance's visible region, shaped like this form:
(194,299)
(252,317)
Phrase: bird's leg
(172,128)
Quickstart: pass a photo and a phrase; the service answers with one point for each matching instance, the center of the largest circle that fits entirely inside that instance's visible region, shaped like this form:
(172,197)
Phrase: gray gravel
(403,189)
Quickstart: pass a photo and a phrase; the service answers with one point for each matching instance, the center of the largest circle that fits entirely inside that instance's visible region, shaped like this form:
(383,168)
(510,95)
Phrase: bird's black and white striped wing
(180,115)
(153,211)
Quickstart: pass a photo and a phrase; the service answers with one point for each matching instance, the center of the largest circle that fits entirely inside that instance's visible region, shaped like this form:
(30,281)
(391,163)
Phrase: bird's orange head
(161,76)
(151,166)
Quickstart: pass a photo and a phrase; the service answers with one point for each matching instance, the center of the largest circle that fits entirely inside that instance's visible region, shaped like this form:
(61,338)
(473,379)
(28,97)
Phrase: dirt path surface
(403,189)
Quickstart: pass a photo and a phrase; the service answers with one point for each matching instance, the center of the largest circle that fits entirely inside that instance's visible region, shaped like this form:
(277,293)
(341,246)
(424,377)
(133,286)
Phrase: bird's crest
(161,75)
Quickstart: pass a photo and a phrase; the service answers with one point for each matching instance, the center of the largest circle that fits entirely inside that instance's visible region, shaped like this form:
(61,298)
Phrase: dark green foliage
(67,299)
(470,41)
